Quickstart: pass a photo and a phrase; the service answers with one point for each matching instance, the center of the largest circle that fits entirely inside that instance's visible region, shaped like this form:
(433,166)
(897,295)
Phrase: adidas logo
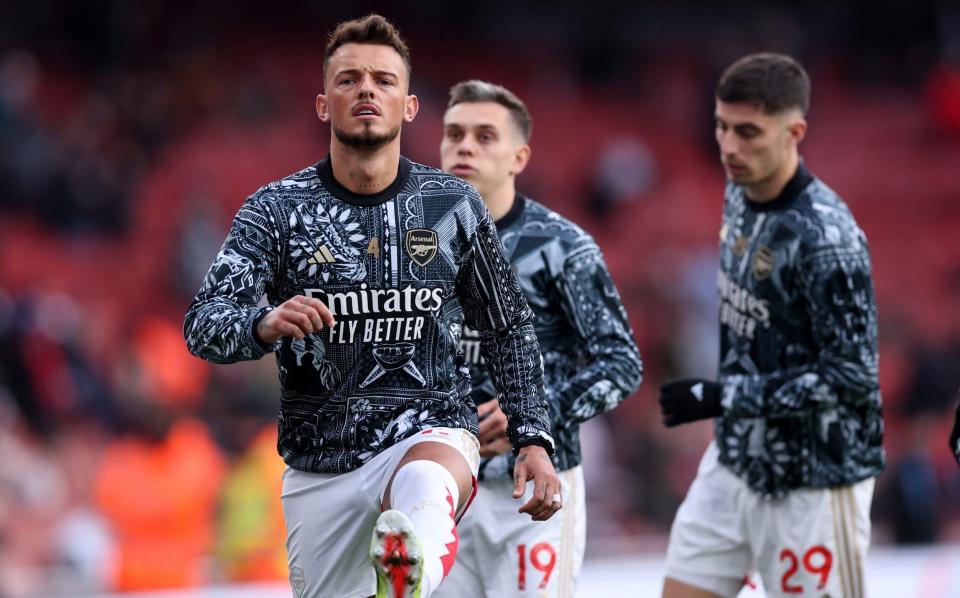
(322,256)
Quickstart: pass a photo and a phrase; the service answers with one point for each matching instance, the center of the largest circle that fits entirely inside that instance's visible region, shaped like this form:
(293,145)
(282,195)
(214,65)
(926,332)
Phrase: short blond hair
(482,91)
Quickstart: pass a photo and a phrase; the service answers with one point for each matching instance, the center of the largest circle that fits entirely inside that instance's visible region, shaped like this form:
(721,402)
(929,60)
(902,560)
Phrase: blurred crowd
(131,132)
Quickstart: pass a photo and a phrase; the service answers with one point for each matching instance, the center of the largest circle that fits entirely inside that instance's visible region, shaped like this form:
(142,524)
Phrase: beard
(367,140)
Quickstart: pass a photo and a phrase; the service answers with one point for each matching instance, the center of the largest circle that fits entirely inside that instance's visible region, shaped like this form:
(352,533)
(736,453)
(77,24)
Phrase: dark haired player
(785,488)
(591,362)
(371,265)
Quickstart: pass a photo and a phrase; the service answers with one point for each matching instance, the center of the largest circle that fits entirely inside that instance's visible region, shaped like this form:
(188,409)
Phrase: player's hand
(296,317)
(533,463)
(499,446)
(493,430)
(689,400)
(955,436)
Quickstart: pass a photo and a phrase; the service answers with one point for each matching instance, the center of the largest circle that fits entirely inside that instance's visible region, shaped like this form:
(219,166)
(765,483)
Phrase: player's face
(755,146)
(366,97)
(482,145)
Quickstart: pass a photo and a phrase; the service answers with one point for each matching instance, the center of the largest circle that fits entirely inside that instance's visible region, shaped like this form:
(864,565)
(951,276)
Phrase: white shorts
(812,542)
(330,518)
(505,553)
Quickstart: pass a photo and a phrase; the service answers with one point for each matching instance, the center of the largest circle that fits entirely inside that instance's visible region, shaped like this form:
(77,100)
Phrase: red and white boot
(397,556)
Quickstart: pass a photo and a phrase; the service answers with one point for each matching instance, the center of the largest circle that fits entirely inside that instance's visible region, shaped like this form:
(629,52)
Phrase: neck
(500,200)
(771,187)
(365,172)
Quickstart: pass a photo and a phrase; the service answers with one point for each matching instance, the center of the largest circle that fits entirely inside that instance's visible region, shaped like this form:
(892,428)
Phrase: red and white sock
(427,493)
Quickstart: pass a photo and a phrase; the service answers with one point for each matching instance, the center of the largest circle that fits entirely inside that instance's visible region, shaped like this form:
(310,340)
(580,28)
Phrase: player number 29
(542,558)
(817,561)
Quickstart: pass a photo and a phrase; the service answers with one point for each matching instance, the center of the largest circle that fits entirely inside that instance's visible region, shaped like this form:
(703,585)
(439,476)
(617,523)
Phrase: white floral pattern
(327,239)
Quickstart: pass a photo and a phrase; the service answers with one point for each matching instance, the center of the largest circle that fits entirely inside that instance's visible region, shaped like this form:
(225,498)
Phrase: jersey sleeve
(612,368)
(839,299)
(494,306)
(219,322)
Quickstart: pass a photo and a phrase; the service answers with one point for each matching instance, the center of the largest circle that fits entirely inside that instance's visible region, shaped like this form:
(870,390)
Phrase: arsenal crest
(298,581)
(421,244)
(762,262)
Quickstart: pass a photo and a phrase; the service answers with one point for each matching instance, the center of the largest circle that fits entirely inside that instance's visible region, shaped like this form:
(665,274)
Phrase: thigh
(814,542)
(708,547)
(329,520)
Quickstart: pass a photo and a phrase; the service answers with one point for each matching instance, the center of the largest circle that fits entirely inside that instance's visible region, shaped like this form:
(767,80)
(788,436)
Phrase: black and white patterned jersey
(798,342)
(401,271)
(591,362)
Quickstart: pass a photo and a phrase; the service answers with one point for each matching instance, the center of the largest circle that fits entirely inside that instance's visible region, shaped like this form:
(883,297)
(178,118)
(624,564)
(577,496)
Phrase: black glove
(689,400)
(955,436)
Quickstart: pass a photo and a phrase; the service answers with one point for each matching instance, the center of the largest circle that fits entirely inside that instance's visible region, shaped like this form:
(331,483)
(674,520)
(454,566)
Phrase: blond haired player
(591,362)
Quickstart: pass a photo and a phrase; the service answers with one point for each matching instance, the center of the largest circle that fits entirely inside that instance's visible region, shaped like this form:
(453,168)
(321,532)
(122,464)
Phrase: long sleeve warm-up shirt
(798,342)
(402,271)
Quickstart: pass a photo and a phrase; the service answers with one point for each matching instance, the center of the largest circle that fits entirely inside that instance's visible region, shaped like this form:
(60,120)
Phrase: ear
(322,112)
(520,159)
(410,108)
(798,129)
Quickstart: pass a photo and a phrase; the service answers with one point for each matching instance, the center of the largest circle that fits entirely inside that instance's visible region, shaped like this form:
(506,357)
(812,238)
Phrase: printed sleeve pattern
(494,306)
(612,369)
(219,322)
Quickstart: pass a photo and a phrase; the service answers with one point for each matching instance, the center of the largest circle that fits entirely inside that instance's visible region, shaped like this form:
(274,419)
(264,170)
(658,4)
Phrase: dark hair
(775,82)
(371,29)
(481,91)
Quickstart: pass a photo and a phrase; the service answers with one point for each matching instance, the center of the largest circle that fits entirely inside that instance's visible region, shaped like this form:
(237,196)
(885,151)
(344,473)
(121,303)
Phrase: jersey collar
(325,173)
(519,202)
(794,187)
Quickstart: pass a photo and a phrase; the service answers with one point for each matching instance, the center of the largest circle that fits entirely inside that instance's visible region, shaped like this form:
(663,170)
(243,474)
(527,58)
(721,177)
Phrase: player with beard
(785,487)
(591,362)
(371,264)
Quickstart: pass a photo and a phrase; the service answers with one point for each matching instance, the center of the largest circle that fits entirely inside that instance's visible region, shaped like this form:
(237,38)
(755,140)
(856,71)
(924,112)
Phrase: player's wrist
(258,332)
(527,443)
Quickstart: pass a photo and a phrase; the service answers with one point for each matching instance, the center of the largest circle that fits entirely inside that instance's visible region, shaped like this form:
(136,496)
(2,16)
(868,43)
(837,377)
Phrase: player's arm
(839,299)
(494,305)
(838,294)
(219,325)
(612,369)
(223,323)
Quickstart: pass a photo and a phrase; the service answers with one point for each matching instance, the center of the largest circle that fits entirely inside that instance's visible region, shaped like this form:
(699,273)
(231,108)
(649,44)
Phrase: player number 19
(542,558)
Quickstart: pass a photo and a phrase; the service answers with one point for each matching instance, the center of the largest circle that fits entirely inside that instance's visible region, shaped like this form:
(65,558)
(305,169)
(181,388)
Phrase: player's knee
(414,477)
(448,458)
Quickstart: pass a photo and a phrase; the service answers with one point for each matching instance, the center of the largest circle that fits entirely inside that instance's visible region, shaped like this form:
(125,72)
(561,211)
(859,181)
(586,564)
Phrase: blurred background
(131,132)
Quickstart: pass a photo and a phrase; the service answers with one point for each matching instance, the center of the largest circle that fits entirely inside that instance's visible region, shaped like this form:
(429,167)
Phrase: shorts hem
(717,584)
